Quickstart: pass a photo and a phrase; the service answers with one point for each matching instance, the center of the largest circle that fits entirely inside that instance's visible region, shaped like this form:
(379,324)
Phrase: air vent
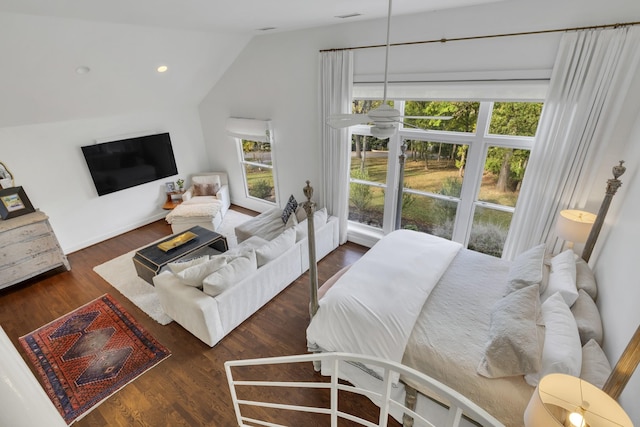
(350,15)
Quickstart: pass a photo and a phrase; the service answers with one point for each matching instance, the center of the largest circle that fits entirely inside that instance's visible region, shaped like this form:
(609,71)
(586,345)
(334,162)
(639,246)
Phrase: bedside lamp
(574,226)
(564,400)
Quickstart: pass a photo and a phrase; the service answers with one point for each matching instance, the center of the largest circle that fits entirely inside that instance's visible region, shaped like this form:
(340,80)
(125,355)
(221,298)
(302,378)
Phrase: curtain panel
(590,76)
(336,83)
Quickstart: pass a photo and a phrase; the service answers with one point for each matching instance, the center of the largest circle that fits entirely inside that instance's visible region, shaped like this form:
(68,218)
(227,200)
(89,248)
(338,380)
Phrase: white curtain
(590,78)
(336,82)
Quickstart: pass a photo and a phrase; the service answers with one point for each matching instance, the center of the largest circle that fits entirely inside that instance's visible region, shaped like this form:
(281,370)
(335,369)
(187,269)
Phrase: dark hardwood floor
(190,387)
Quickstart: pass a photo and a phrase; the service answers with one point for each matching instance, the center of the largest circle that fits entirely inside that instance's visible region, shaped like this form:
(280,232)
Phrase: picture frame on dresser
(14,202)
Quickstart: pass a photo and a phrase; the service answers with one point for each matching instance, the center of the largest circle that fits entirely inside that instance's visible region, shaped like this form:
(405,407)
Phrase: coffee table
(150,260)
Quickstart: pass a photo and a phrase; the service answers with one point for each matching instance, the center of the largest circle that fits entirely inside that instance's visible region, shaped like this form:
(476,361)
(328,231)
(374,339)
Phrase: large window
(257,168)
(461,176)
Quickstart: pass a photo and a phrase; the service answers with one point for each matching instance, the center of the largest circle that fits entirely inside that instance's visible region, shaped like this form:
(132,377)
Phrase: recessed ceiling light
(162,68)
(350,15)
(83,69)
(266,28)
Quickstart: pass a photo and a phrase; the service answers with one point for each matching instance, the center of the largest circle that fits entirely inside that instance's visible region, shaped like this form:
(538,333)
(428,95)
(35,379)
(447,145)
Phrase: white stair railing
(458,404)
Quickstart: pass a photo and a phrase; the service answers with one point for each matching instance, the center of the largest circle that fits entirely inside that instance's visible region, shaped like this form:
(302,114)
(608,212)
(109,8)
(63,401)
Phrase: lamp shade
(574,225)
(557,396)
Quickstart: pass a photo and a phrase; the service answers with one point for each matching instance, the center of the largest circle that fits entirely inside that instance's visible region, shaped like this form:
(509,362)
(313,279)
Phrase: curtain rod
(490,36)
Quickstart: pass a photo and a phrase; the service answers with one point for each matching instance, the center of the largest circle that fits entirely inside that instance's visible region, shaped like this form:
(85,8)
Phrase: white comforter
(372,308)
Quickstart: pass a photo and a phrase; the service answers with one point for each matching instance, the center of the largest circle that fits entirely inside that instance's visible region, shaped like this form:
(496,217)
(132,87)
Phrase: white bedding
(450,335)
(372,308)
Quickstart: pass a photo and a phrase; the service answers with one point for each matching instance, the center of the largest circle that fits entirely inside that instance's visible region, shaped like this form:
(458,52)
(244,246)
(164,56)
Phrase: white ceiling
(235,16)
(122,42)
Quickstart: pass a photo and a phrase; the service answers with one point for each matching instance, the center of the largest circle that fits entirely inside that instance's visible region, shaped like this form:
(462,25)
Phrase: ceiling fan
(385,119)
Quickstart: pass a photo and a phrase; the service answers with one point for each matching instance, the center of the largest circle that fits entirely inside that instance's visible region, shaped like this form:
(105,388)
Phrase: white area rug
(121,273)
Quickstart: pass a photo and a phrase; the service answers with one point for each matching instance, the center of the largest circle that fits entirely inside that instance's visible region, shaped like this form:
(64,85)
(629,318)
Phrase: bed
(474,322)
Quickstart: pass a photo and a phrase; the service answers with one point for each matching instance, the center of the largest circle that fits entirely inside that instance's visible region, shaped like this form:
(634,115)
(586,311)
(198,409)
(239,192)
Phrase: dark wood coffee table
(150,260)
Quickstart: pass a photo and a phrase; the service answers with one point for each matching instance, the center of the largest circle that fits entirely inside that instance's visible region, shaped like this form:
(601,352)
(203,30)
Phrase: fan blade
(339,121)
(429,117)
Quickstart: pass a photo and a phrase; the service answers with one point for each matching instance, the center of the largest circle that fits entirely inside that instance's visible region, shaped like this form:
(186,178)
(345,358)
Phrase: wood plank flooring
(190,387)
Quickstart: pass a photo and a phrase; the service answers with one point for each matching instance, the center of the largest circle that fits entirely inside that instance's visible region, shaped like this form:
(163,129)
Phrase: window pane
(464,115)
(363,106)
(366,204)
(434,167)
(260,182)
(369,158)
(257,152)
(515,118)
(427,214)
(489,230)
(503,173)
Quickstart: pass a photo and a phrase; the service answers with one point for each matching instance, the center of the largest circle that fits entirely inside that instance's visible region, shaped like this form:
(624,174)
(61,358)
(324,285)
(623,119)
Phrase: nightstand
(174,198)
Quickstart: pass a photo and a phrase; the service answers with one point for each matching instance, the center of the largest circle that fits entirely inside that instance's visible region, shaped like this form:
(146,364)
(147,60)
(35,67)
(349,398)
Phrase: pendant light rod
(386,58)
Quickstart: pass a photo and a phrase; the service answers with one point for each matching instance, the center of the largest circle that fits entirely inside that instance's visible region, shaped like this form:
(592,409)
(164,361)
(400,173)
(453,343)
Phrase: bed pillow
(273,249)
(289,209)
(526,269)
(562,351)
(194,275)
(178,266)
(595,365)
(588,319)
(236,270)
(585,278)
(562,278)
(516,335)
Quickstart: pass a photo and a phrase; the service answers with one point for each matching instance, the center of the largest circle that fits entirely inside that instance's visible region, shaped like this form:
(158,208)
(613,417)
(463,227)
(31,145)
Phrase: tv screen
(125,163)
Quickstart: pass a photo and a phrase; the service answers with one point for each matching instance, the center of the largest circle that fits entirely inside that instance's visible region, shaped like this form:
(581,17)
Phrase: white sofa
(211,318)
(205,203)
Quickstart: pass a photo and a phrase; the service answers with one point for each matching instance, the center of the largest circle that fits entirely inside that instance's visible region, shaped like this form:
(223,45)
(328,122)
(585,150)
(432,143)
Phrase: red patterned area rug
(89,354)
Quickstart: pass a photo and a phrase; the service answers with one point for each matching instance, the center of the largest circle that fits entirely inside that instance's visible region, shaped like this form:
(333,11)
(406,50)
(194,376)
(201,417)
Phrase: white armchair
(206,187)
(205,203)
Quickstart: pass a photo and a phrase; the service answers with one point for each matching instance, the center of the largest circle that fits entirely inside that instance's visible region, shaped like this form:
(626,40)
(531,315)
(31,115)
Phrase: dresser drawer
(27,249)
(29,267)
(19,234)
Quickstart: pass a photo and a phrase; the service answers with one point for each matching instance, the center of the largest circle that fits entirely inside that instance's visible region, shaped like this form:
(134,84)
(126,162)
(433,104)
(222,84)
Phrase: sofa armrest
(187,194)
(224,197)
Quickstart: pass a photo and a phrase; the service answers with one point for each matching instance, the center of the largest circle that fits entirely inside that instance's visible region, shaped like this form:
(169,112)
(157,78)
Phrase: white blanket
(372,308)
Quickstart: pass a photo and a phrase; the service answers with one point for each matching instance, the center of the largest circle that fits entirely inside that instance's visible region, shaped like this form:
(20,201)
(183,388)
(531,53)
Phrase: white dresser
(28,247)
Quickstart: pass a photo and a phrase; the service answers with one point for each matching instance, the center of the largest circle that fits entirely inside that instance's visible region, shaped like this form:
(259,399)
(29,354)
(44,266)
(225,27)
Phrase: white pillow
(526,269)
(562,351)
(595,365)
(585,278)
(273,249)
(232,273)
(194,275)
(253,242)
(588,319)
(178,266)
(562,278)
(516,335)
(319,219)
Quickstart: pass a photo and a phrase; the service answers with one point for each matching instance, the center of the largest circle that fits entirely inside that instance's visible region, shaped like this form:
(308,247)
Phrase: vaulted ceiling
(76,59)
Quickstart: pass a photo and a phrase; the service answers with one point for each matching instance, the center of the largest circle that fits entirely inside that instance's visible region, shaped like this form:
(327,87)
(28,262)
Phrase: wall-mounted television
(125,163)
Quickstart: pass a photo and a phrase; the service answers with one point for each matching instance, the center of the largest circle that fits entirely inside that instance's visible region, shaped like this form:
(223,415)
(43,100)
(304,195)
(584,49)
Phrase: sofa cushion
(194,275)
(273,249)
(319,219)
(267,225)
(236,270)
(178,266)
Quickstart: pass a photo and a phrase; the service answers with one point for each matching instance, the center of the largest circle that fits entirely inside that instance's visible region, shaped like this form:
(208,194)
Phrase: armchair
(204,203)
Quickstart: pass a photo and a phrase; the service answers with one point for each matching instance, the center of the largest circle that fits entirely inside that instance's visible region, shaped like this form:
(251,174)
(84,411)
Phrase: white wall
(46,160)
(276,77)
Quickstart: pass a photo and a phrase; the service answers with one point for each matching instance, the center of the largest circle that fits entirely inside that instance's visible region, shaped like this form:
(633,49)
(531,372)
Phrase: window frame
(243,163)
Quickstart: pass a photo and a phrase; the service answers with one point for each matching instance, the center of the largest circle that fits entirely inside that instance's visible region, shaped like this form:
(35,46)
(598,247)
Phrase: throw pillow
(194,275)
(526,269)
(595,365)
(562,277)
(319,219)
(289,209)
(178,266)
(585,279)
(224,278)
(276,247)
(205,189)
(587,316)
(516,335)
(301,214)
(562,351)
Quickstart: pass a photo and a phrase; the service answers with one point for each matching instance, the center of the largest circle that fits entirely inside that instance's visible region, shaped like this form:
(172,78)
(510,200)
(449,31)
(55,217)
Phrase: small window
(257,168)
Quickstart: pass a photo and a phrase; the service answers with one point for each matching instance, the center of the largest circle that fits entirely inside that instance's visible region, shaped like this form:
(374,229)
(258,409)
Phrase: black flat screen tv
(125,163)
